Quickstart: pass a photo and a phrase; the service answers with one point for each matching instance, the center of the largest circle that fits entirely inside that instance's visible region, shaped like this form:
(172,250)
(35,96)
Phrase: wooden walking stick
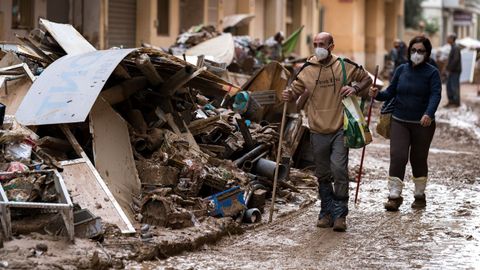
(279,154)
(368,124)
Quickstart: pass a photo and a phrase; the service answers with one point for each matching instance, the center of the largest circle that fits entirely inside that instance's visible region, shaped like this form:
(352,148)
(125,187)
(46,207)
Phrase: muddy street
(445,235)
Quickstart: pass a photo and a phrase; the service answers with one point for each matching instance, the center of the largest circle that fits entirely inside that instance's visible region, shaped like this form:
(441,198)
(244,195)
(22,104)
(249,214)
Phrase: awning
(221,48)
(237,20)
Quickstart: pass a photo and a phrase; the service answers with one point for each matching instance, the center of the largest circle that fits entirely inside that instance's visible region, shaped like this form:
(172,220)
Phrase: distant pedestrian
(321,77)
(275,45)
(454,68)
(398,54)
(416,87)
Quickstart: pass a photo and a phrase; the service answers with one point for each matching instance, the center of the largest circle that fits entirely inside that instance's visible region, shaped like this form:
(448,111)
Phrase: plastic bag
(355,129)
(385,120)
(356,133)
(19,151)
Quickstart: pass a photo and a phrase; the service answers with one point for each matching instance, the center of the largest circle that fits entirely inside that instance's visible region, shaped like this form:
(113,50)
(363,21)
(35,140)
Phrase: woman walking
(416,87)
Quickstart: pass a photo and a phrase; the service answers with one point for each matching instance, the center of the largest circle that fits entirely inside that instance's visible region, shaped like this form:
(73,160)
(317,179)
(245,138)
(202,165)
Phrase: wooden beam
(124,90)
(146,67)
(179,79)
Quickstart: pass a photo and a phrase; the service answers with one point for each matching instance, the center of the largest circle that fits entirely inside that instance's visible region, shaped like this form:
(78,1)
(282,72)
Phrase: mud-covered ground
(445,235)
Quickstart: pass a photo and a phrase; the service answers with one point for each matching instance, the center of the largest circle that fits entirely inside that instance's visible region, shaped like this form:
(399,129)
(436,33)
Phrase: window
(22,14)
(163,17)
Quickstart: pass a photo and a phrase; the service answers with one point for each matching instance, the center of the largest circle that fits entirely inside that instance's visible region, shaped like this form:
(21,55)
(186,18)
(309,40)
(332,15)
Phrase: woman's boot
(395,199)
(419,195)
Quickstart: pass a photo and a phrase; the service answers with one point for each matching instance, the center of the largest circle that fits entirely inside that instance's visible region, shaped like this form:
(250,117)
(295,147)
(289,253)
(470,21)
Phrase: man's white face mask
(417,58)
(321,53)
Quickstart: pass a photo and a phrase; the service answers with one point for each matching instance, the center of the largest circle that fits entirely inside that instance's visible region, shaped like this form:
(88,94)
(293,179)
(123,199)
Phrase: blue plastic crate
(228,202)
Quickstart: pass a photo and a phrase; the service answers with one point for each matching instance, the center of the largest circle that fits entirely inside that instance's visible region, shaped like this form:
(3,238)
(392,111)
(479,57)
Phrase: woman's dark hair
(426,43)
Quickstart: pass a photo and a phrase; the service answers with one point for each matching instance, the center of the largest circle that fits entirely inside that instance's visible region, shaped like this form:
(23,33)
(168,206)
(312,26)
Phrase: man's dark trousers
(331,161)
(453,88)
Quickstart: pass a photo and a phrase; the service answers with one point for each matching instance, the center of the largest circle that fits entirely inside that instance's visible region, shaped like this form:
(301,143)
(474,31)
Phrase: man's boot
(340,212)
(340,224)
(395,199)
(325,190)
(419,195)
(325,222)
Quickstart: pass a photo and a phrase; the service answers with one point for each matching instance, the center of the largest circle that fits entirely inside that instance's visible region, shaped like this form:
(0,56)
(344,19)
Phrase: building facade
(453,16)
(363,29)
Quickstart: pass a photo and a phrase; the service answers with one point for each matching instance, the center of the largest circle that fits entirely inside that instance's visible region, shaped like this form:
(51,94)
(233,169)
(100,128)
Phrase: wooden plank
(88,193)
(28,42)
(123,223)
(113,154)
(16,93)
(146,67)
(10,59)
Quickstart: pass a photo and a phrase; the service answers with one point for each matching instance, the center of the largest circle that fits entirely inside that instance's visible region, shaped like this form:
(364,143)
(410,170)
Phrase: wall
(258,23)
(310,19)
(349,32)
(91,22)
(147,19)
(390,24)
(275,14)
(8,34)
(245,7)
(58,11)
(375,34)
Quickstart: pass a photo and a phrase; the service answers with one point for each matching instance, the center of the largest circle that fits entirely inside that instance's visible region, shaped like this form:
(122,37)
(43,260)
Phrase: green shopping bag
(355,129)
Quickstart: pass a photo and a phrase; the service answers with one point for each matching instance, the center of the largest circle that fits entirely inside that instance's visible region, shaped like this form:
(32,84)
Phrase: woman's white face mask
(417,58)
(321,53)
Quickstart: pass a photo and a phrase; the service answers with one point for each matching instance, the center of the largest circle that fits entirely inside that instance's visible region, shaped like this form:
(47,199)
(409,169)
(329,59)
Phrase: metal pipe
(264,123)
(255,152)
(155,139)
(253,215)
(36,205)
(245,133)
(260,156)
(265,167)
(252,190)
(140,144)
(247,165)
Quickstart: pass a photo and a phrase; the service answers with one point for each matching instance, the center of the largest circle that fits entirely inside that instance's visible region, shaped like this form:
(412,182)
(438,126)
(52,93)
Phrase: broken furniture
(64,206)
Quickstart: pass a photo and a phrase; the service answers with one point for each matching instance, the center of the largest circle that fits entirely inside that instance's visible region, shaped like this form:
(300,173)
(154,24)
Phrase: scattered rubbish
(27,193)
(139,135)
(87,225)
(41,247)
(2,113)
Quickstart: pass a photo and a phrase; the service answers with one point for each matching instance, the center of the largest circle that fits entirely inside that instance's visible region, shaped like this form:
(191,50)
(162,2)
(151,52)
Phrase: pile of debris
(138,134)
(239,54)
(193,36)
(25,165)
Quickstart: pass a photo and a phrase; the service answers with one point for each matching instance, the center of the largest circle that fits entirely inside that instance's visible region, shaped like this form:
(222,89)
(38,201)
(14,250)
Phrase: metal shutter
(122,20)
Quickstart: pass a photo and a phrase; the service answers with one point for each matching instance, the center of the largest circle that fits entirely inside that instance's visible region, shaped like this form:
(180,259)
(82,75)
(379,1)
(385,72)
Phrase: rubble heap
(162,142)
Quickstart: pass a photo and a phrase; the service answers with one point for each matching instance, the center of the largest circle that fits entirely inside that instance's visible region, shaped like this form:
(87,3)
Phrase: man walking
(454,68)
(322,77)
